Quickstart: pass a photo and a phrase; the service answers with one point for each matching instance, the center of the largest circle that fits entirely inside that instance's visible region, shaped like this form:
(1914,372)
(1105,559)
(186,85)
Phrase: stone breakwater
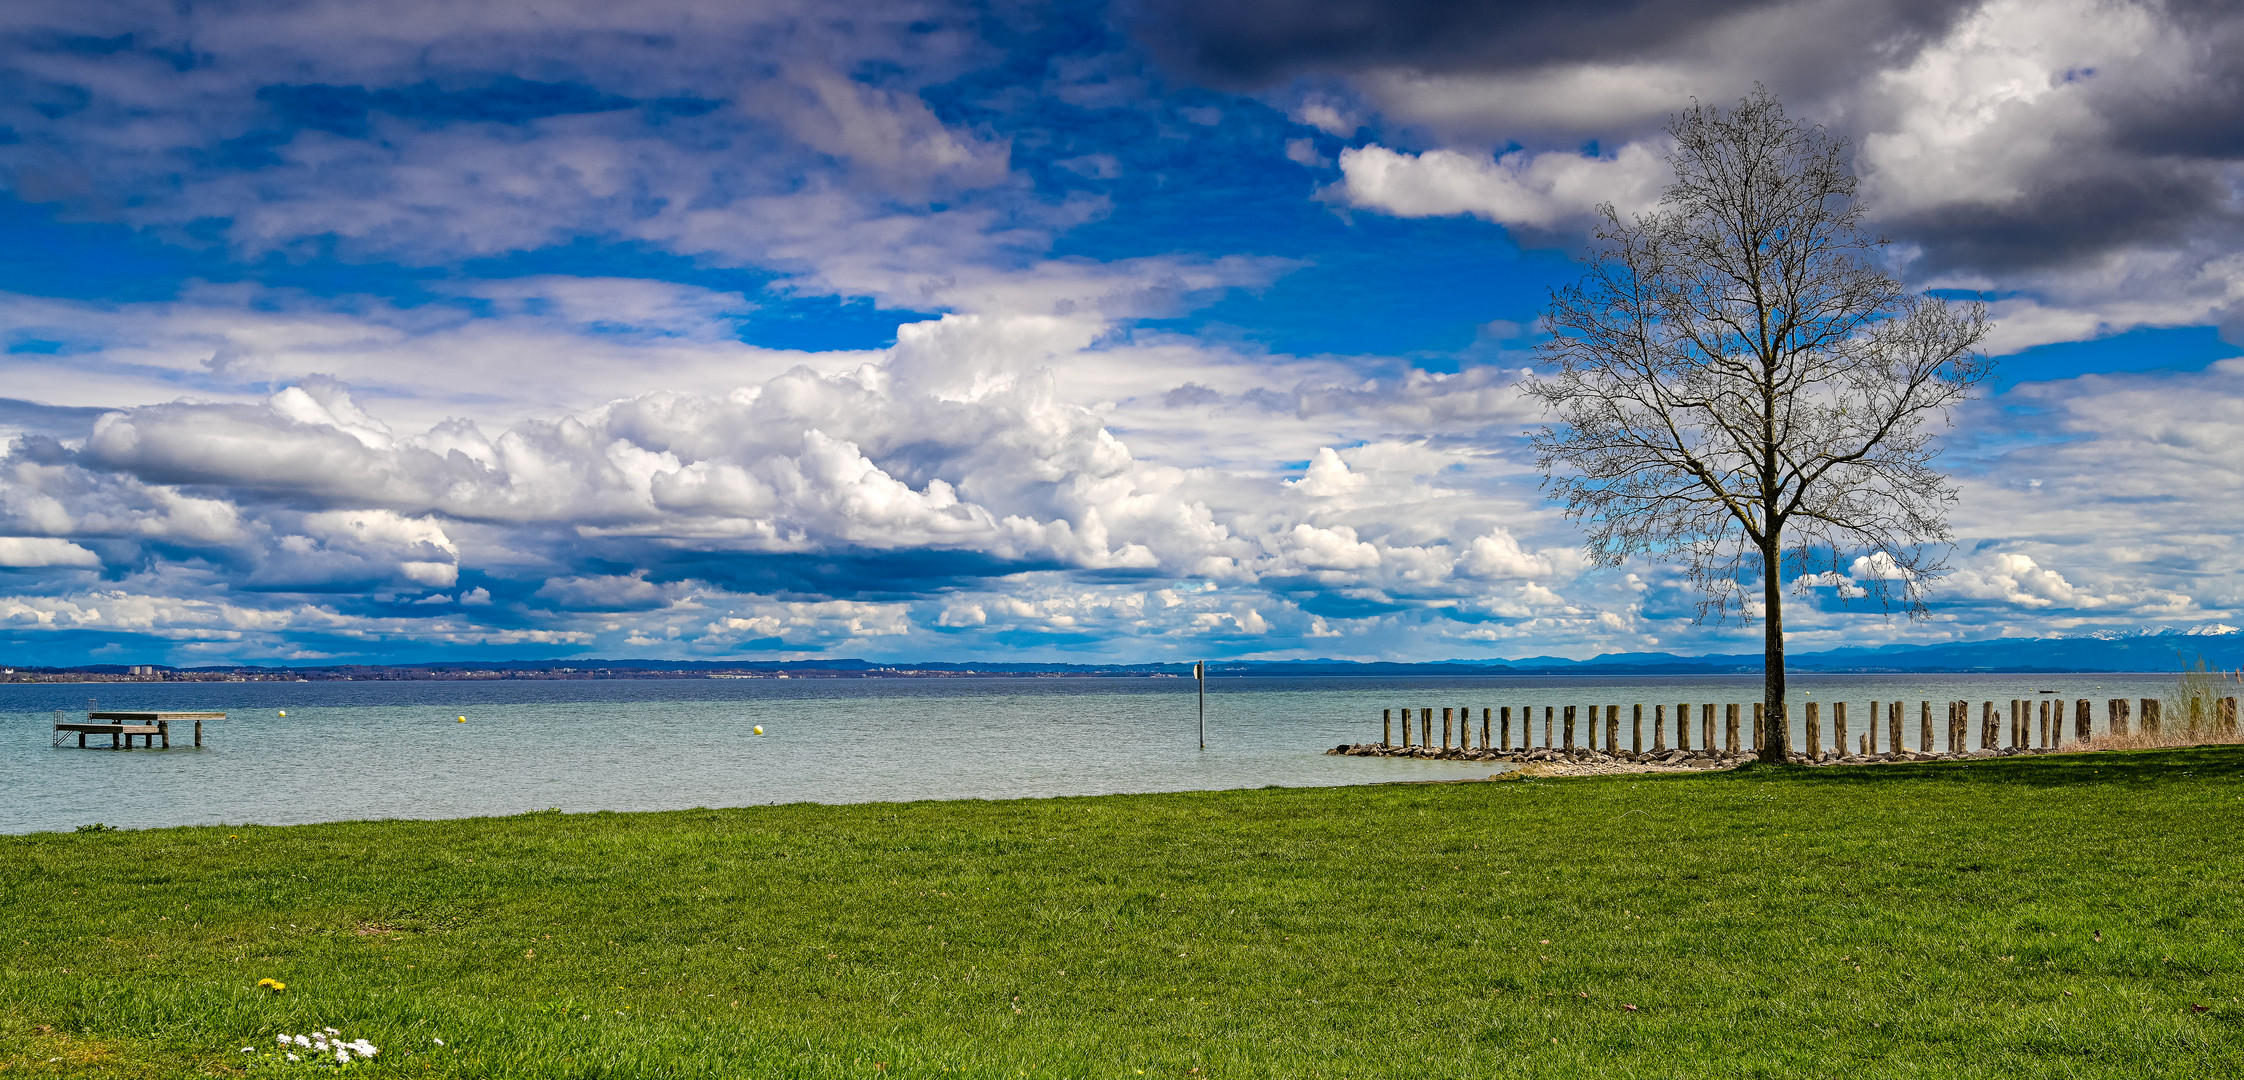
(1585,762)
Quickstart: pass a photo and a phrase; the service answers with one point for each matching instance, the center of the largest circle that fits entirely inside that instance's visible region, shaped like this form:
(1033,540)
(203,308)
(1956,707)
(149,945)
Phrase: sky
(398,330)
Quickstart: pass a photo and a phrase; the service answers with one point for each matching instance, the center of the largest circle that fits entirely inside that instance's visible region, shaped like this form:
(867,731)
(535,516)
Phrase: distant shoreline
(2141,653)
(68,677)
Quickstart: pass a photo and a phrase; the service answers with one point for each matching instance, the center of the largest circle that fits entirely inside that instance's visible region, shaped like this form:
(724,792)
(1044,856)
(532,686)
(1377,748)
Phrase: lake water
(360,750)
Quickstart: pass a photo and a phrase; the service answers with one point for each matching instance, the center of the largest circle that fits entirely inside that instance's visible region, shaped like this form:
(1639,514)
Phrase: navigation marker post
(1200,672)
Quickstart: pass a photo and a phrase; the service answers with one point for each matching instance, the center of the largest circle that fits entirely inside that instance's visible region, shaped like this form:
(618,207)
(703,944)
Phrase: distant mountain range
(2148,649)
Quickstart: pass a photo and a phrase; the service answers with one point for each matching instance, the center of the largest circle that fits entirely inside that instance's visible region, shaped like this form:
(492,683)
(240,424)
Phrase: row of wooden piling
(1562,724)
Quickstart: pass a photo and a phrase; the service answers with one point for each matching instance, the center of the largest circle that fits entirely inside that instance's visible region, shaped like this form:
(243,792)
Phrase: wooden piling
(1570,727)
(2195,717)
(1864,742)
(1730,730)
(1445,729)
(1706,727)
(1760,709)
(1426,727)
(1659,729)
(1893,726)
(1814,733)
(2224,717)
(1486,718)
(1683,726)
(2151,717)
(1386,727)
(2115,716)
(2082,719)
(1612,728)
(1636,730)
(1550,722)
(1838,729)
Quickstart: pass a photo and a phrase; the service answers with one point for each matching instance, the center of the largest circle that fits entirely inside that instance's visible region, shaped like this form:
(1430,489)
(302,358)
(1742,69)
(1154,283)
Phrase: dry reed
(2191,714)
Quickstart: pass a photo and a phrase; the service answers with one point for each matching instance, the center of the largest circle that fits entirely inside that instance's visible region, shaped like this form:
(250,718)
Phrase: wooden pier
(152,728)
(2042,715)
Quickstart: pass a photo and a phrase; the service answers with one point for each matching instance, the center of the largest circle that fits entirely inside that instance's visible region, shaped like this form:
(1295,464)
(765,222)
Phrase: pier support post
(1504,721)
(1838,729)
(2151,718)
(1683,727)
(1612,728)
(1570,727)
(2115,716)
(1814,739)
(1659,729)
(1706,727)
(2083,719)
(2196,710)
(1486,716)
(1386,727)
(1445,729)
(2225,716)
(1636,729)
(1730,729)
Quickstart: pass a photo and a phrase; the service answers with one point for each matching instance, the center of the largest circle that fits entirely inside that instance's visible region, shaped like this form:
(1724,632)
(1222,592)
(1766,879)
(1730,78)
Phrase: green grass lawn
(1899,920)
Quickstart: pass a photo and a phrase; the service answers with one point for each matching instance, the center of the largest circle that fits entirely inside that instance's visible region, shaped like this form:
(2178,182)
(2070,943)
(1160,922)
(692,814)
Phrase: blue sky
(404,330)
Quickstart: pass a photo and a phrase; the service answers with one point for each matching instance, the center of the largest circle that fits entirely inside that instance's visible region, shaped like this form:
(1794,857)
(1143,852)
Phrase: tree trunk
(1776,733)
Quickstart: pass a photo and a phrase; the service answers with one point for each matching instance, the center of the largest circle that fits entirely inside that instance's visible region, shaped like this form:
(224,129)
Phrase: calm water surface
(361,750)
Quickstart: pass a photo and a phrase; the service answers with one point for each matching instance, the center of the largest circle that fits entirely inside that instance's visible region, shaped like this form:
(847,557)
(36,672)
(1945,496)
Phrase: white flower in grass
(342,1056)
(437,1041)
(331,1031)
(302,1041)
(282,1039)
(293,1057)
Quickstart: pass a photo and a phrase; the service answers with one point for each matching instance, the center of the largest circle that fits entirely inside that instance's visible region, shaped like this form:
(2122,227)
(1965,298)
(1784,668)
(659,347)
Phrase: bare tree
(1741,388)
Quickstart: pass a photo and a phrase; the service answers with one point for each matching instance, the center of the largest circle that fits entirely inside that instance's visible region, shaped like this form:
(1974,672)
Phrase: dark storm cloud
(2110,203)
(2150,168)
(1255,41)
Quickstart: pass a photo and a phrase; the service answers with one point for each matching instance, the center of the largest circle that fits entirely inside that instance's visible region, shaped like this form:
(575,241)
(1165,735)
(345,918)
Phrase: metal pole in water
(1201,670)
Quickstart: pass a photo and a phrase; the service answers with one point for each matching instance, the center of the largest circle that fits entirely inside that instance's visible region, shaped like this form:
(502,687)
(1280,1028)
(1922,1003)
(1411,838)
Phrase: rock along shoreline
(1585,762)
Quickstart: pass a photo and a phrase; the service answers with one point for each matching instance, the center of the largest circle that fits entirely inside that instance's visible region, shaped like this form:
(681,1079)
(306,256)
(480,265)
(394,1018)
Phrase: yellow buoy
(463,719)
(284,712)
(759,729)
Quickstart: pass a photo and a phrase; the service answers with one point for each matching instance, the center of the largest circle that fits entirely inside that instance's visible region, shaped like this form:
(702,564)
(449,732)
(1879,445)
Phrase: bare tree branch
(1740,388)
